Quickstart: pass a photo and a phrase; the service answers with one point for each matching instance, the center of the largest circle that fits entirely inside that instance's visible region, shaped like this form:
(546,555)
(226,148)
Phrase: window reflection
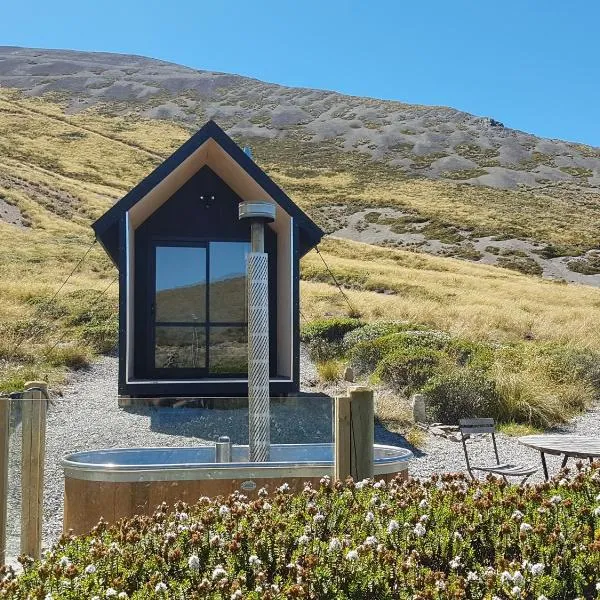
(228,350)
(180,284)
(180,348)
(227,292)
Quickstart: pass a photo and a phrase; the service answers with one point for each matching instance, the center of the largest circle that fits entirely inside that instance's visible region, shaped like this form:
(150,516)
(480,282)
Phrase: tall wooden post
(32,470)
(354,434)
(363,432)
(4,448)
(341,463)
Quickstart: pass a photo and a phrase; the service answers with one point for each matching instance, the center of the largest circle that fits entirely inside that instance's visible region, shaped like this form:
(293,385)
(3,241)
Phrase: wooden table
(575,446)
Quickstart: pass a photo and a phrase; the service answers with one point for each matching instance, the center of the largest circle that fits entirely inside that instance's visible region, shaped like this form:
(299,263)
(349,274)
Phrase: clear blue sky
(532,64)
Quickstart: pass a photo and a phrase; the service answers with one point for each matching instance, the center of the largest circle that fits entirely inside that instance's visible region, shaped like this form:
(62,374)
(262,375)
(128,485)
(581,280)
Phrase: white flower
(556,499)
(518,578)
(214,540)
(48,596)
(525,528)
(419,530)
(194,562)
(517,515)
(542,597)
(64,561)
(263,492)
(379,484)
(478,493)
(110,592)
(537,569)
(284,487)
(160,587)
(597,511)
(182,516)
(359,485)
(392,526)
(219,572)
(352,555)
(423,503)
(371,541)
(122,595)
(440,584)
(223,510)
(237,594)
(455,562)
(423,518)
(303,539)
(90,569)
(326,480)
(456,535)
(505,577)
(472,576)
(319,517)
(266,506)
(335,544)
(254,560)
(516,591)
(369,517)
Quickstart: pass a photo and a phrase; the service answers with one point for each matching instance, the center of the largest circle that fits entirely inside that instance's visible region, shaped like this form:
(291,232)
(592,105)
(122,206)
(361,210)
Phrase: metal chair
(469,427)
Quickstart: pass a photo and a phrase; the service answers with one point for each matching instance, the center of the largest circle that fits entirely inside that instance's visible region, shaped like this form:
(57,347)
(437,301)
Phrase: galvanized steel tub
(122,482)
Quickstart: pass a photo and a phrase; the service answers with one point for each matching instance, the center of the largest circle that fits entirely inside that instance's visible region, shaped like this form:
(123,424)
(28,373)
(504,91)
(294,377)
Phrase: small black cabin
(180,249)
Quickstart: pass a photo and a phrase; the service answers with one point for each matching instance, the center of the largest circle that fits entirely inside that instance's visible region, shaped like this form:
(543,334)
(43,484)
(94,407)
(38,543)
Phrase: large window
(200,313)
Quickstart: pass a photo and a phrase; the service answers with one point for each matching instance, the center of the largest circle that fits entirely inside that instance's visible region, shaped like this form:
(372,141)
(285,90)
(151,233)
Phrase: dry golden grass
(63,171)
(466,299)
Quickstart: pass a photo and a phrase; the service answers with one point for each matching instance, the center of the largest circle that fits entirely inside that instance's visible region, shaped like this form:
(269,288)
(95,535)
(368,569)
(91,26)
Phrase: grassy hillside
(59,172)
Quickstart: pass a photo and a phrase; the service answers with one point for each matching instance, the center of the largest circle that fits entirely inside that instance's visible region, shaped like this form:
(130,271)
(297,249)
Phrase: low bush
(324,338)
(448,537)
(372,331)
(365,356)
(460,394)
(408,369)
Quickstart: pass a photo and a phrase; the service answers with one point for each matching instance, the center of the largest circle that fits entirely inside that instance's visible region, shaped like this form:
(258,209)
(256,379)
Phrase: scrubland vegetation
(447,537)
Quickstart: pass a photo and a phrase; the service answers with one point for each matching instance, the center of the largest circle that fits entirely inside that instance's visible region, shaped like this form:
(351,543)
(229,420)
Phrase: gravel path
(87,416)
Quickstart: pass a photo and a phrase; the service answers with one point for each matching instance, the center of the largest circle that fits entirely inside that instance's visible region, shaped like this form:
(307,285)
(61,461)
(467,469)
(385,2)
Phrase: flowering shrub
(447,537)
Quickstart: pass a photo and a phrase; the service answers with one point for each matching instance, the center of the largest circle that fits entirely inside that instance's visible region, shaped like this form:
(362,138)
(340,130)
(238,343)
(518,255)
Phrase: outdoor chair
(469,427)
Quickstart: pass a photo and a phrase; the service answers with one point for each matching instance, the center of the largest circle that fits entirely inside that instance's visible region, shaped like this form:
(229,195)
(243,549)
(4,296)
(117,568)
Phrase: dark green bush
(102,337)
(470,354)
(460,394)
(408,369)
(372,331)
(365,356)
(324,338)
(330,330)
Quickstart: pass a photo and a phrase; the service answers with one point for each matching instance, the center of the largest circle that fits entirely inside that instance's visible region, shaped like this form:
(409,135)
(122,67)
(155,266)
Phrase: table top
(569,445)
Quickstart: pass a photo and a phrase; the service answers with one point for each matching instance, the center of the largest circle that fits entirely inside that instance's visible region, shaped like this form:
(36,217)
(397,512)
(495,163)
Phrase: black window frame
(188,373)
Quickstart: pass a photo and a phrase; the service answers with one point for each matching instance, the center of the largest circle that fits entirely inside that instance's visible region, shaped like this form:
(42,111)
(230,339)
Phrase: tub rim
(242,471)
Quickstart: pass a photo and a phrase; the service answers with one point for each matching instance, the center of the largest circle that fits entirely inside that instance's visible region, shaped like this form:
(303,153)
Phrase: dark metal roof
(106,227)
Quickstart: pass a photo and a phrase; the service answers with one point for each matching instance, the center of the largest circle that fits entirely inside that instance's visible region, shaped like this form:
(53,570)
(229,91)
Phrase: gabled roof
(106,227)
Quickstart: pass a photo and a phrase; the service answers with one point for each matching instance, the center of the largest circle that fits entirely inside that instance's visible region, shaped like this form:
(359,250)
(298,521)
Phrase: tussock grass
(329,370)
(469,300)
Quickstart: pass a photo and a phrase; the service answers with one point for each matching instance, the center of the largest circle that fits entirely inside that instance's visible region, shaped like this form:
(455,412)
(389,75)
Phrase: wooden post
(354,434)
(32,470)
(341,468)
(4,448)
(362,432)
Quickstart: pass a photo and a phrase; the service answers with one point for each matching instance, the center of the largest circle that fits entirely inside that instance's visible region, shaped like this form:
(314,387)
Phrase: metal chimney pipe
(259,418)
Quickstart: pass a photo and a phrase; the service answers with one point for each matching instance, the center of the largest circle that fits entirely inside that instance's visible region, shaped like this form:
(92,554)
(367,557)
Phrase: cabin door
(198,313)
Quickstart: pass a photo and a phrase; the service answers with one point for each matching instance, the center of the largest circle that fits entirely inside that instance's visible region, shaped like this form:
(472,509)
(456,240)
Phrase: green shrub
(365,356)
(408,369)
(447,537)
(330,330)
(324,338)
(470,354)
(461,394)
(372,331)
(102,337)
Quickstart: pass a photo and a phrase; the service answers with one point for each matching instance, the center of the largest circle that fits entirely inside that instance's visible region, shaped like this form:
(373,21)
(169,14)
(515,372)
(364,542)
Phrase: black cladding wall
(186,217)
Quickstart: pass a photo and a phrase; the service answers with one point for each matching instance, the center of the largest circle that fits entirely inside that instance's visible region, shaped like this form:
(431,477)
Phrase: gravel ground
(87,416)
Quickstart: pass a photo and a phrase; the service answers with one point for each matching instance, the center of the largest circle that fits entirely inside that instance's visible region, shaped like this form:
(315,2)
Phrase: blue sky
(532,64)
